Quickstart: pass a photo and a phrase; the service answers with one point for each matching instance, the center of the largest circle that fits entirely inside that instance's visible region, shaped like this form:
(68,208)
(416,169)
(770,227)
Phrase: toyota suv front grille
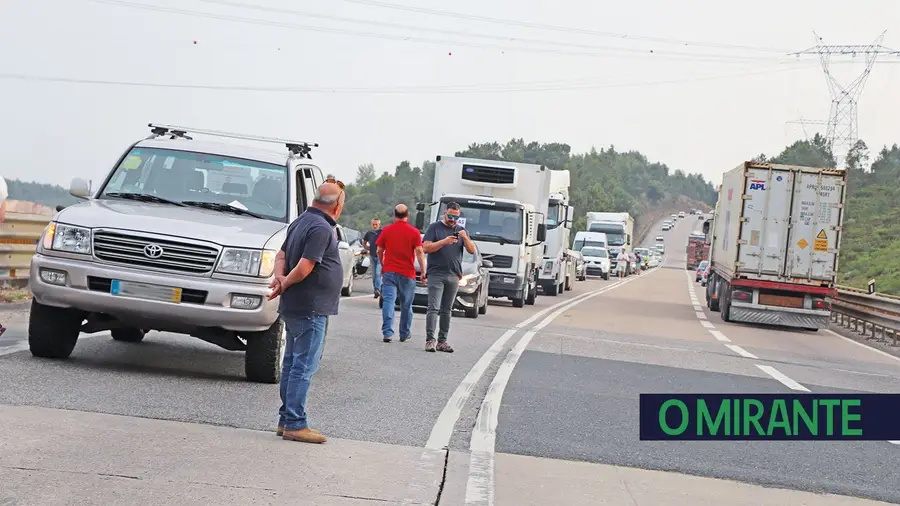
(141,251)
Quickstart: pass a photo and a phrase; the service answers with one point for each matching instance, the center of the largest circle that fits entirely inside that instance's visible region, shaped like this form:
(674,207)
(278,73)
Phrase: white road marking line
(740,351)
(707,324)
(701,315)
(697,307)
(443,428)
(480,485)
(862,345)
(784,380)
(720,336)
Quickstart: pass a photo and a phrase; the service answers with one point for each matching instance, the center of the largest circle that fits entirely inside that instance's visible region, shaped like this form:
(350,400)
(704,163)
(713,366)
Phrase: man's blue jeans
(376,272)
(303,348)
(393,287)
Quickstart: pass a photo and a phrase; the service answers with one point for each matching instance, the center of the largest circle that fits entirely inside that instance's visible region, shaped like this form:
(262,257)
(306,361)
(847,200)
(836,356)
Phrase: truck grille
(175,256)
(482,174)
(500,261)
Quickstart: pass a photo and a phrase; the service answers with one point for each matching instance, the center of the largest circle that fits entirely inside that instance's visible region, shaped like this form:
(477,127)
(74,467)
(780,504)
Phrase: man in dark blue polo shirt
(310,292)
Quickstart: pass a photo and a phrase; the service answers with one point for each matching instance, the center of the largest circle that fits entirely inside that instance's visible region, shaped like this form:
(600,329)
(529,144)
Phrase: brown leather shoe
(304,436)
(280,431)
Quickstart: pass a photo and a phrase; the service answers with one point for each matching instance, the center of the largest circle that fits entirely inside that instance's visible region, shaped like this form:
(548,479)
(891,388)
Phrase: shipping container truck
(774,244)
(503,206)
(697,251)
(558,272)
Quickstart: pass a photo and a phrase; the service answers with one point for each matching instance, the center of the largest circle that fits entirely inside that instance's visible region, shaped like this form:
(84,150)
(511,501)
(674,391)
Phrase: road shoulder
(53,456)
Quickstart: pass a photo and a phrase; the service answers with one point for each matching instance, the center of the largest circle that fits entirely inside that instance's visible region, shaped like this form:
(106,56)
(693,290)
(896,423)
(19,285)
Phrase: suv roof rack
(296,148)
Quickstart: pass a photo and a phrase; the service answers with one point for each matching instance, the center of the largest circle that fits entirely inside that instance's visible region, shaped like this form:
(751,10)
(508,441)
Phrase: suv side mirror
(570,215)
(79,188)
(343,245)
(487,264)
(542,232)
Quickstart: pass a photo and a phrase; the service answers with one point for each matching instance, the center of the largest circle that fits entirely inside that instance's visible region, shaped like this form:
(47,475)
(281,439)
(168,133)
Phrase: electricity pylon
(842,129)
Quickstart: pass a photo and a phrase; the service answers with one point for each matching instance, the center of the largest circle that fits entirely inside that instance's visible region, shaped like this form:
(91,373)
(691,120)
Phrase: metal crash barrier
(19,235)
(875,316)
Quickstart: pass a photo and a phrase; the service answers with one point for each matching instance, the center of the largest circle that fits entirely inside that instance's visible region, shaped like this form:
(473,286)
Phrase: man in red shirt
(399,245)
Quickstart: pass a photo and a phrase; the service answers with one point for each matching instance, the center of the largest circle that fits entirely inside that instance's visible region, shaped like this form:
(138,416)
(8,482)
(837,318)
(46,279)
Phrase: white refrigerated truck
(558,272)
(503,205)
(775,241)
(619,229)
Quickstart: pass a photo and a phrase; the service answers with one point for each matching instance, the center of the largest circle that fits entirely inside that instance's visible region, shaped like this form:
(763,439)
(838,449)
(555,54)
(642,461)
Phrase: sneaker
(444,346)
(280,431)
(429,346)
(386,339)
(377,295)
(404,339)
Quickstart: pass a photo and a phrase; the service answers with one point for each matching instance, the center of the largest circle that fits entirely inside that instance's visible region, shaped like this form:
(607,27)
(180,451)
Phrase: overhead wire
(557,28)
(631,52)
(371,22)
(444,89)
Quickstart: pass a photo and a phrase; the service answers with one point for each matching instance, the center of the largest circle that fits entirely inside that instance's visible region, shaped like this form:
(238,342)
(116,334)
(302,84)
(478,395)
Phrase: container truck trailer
(774,244)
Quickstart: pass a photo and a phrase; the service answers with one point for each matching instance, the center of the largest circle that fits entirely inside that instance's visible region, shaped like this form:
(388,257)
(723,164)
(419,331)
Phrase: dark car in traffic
(472,296)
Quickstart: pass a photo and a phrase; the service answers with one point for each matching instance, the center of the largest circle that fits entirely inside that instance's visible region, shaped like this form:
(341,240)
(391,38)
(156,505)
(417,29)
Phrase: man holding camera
(443,242)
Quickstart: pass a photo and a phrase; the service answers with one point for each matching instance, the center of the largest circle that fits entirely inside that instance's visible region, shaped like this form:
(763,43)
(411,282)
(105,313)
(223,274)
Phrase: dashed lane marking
(740,351)
(784,380)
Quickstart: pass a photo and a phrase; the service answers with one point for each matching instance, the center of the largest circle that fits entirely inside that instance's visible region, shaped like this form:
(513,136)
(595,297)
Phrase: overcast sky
(696,114)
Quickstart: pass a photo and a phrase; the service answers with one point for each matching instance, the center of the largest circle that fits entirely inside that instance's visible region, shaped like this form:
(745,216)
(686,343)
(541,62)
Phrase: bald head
(401,212)
(330,198)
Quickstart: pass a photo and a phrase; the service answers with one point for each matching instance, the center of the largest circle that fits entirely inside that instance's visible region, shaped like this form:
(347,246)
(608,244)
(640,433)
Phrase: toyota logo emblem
(153,251)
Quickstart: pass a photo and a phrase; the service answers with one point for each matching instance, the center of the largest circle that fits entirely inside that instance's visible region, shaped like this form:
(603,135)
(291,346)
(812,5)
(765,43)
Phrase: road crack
(437,500)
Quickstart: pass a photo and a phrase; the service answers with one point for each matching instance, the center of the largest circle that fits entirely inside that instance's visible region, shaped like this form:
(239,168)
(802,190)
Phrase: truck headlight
(247,262)
(67,238)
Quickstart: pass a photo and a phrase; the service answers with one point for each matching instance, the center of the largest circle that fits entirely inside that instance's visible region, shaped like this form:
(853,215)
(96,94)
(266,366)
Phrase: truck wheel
(606,277)
(532,294)
(725,304)
(128,335)
(53,331)
(471,312)
(568,286)
(265,352)
(483,309)
(711,288)
(551,290)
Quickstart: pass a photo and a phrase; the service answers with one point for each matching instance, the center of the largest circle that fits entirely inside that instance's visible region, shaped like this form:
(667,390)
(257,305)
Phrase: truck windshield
(485,223)
(580,244)
(552,221)
(185,176)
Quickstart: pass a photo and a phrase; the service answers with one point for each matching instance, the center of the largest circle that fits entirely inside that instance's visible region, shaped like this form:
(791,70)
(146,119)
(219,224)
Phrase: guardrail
(875,316)
(19,235)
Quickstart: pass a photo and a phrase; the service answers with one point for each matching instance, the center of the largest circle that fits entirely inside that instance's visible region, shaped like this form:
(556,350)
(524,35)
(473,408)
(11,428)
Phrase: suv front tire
(53,331)
(265,351)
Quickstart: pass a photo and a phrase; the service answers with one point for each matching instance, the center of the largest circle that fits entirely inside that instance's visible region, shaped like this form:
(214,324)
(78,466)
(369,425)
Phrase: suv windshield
(590,251)
(185,176)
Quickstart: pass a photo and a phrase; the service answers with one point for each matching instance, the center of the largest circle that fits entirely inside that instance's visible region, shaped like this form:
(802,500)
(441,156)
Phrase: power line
(484,88)
(556,28)
(632,52)
(369,22)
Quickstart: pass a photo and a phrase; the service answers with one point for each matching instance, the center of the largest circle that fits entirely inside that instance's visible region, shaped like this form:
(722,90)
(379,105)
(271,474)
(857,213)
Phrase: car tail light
(742,295)
(821,304)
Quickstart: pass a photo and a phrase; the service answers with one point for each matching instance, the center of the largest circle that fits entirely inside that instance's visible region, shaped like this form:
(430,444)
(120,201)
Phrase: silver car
(180,237)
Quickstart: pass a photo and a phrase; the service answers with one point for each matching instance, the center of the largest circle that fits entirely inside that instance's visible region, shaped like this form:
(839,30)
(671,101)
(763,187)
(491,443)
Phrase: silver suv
(180,237)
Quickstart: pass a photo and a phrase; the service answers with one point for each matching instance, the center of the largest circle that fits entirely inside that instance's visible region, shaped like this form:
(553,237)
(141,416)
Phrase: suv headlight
(468,279)
(247,262)
(68,238)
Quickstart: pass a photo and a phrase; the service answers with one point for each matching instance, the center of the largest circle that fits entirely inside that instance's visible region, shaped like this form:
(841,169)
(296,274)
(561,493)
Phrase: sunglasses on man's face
(452,216)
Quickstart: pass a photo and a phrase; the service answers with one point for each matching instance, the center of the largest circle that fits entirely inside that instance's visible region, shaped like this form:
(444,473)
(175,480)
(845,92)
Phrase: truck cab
(502,206)
(618,239)
(558,271)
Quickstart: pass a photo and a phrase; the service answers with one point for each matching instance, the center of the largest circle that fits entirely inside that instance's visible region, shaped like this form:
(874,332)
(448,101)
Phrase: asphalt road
(574,393)
(571,393)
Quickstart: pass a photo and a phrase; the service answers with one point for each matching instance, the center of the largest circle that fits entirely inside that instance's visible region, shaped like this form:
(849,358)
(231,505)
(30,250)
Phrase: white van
(595,239)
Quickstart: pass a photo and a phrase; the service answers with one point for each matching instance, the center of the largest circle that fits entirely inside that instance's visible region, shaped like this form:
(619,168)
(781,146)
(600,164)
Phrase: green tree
(365,174)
